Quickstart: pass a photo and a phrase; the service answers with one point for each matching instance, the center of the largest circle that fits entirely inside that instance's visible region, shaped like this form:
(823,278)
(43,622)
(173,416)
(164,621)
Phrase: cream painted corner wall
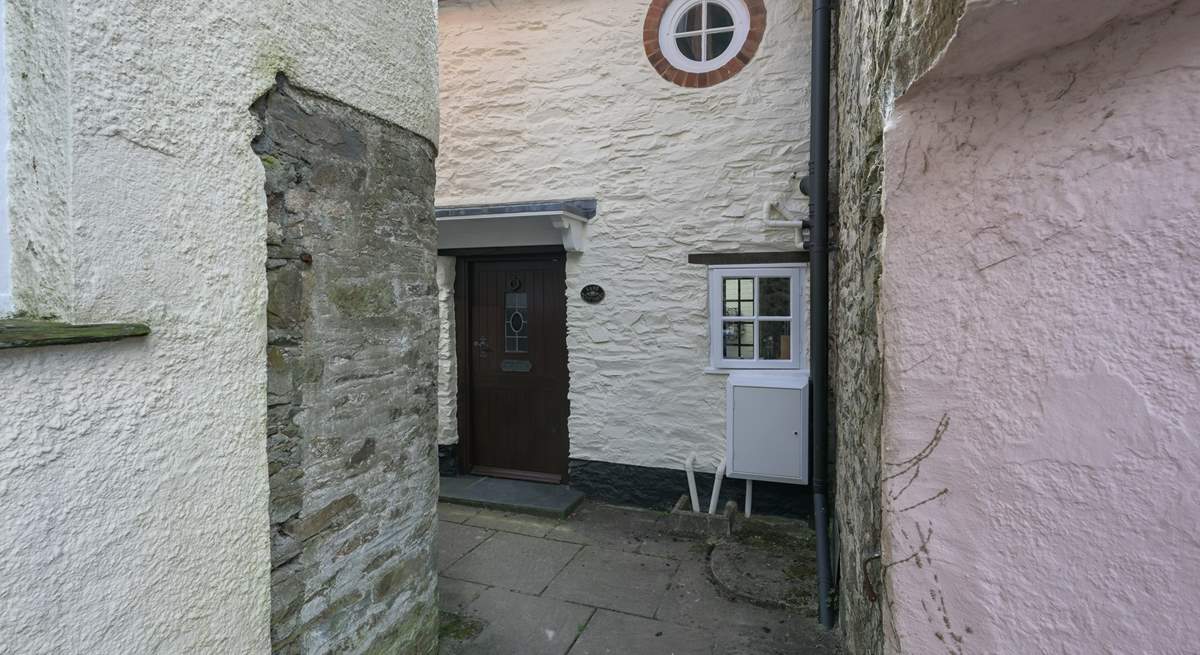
(134,474)
(5,238)
(1041,300)
(544,99)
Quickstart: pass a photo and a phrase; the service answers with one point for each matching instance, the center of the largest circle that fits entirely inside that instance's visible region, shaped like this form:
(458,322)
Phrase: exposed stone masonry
(885,47)
(352,320)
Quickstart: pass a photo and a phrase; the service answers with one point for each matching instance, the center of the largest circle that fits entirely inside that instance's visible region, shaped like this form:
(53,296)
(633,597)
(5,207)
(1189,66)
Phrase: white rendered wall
(543,99)
(447,361)
(5,241)
(1041,296)
(134,474)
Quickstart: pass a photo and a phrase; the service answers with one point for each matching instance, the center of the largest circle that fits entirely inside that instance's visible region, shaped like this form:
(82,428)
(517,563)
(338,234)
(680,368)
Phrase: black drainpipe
(818,187)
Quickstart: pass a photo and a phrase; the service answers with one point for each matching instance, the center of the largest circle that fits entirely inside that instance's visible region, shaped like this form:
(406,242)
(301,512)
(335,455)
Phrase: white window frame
(670,47)
(717,319)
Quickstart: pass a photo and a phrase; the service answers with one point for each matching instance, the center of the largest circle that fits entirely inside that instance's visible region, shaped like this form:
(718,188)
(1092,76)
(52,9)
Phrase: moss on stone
(25,333)
(416,634)
(460,628)
(775,540)
(362,300)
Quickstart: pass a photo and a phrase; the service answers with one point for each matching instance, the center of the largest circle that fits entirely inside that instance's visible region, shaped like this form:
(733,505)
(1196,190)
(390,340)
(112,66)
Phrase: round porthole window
(698,43)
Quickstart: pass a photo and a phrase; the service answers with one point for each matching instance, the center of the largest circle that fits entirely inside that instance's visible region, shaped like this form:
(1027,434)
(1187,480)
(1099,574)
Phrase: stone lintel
(747,258)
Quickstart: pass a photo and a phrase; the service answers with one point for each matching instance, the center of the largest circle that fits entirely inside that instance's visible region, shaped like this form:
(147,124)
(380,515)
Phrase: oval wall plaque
(592,293)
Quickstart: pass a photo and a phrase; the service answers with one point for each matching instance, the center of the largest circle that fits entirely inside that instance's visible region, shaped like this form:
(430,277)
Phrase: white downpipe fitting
(749,495)
(691,460)
(716,492)
(798,224)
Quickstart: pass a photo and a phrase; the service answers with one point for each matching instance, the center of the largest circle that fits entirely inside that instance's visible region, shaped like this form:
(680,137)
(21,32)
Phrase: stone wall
(351,377)
(881,47)
(543,99)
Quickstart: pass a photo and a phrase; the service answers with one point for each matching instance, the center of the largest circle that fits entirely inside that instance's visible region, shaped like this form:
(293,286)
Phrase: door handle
(482,344)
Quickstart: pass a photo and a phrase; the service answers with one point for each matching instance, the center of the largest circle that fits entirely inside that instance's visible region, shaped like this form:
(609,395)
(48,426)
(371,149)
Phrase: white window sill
(727,371)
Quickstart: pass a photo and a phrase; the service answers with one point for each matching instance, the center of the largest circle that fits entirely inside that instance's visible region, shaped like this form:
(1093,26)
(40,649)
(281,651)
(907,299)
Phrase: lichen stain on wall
(1039,288)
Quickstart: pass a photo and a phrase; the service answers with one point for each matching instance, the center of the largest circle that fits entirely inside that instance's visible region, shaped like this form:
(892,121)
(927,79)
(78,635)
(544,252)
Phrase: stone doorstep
(552,500)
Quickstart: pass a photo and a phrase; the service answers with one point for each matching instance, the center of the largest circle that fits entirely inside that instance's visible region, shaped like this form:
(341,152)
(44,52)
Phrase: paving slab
(673,547)
(608,526)
(455,595)
(611,633)
(693,600)
(614,579)
(513,561)
(456,513)
(532,526)
(815,641)
(518,624)
(456,540)
(553,500)
(779,571)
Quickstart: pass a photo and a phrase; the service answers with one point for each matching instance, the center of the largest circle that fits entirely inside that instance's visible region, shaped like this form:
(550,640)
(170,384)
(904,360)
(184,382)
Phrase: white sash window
(754,317)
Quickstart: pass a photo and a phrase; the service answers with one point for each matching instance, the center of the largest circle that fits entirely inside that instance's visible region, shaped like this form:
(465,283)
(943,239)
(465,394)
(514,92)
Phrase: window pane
(738,299)
(718,43)
(691,19)
(718,16)
(738,340)
(689,46)
(516,323)
(775,296)
(775,340)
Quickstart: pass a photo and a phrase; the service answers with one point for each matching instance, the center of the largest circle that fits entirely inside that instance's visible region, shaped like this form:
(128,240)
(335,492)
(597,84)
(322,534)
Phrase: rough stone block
(701,524)
(349,415)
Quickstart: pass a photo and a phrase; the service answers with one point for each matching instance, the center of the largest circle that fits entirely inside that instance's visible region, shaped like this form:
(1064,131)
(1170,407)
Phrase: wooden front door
(516,353)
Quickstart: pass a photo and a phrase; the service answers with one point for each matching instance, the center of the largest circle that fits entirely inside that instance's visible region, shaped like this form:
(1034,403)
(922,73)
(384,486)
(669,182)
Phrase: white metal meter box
(766,426)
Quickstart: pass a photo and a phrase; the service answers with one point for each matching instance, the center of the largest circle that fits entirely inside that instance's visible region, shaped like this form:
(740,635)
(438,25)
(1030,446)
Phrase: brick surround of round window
(651,40)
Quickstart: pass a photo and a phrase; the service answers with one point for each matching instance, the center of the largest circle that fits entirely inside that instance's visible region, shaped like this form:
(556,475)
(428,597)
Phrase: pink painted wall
(1041,295)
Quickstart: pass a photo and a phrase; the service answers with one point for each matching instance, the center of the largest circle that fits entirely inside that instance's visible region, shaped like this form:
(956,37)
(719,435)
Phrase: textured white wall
(544,99)
(134,474)
(1040,292)
(5,242)
(447,361)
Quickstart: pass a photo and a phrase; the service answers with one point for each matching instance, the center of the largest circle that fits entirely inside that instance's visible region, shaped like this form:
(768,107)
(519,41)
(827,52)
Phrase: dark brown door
(518,368)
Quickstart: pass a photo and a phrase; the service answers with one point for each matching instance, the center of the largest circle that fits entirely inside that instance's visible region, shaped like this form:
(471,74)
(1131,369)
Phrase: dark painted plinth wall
(352,321)
(658,488)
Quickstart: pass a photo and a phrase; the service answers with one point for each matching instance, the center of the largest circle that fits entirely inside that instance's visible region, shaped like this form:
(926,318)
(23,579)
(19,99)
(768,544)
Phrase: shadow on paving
(611,580)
